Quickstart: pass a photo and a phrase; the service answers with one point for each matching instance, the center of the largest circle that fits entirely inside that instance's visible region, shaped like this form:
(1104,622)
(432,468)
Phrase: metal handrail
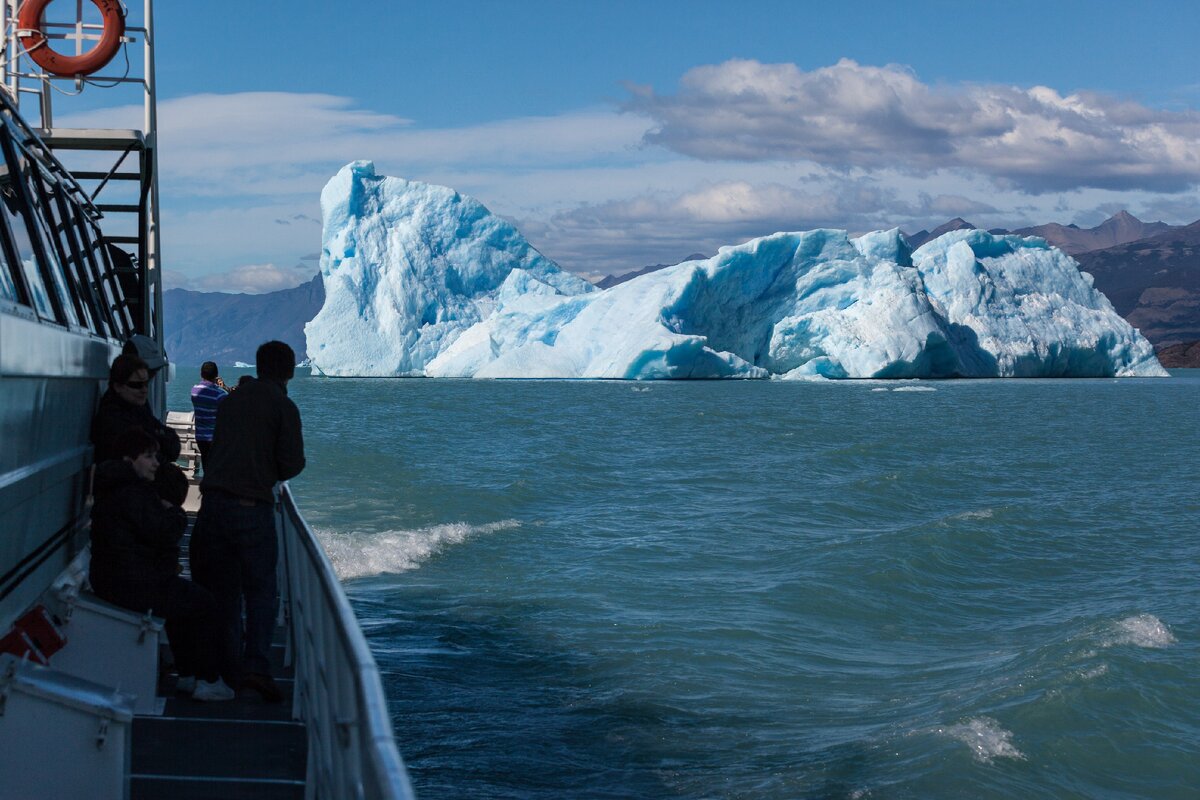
(351,749)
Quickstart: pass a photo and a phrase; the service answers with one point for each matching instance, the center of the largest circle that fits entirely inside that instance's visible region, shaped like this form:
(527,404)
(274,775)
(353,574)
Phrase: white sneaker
(212,691)
(185,684)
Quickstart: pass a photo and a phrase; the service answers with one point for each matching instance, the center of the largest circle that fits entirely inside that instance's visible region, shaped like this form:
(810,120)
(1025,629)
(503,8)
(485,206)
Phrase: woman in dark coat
(123,406)
(135,560)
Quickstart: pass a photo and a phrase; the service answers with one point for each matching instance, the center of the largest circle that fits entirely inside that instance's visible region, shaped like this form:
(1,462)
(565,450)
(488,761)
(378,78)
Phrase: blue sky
(619,134)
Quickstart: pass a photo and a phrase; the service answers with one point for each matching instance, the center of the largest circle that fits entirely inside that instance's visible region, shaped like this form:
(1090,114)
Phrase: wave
(914,389)
(1141,630)
(359,554)
(987,740)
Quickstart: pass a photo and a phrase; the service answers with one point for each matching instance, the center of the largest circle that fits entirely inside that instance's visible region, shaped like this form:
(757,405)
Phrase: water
(772,590)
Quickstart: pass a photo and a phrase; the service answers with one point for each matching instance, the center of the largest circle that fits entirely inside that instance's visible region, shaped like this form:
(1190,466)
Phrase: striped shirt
(205,397)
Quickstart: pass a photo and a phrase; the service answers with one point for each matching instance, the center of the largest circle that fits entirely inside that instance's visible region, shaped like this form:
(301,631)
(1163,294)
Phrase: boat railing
(338,694)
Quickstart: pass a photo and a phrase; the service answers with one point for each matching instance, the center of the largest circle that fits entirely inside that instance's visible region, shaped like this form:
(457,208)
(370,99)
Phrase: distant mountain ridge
(221,327)
(921,237)
(1118,229)
(608,281)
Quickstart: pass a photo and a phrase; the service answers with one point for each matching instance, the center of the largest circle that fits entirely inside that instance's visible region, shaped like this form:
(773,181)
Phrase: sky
(621,134)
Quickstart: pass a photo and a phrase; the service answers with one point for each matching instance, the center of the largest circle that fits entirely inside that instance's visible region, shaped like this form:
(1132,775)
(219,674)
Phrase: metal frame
(22,79)
(351,749)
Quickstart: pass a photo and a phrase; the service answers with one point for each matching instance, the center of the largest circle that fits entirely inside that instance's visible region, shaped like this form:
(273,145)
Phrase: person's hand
(221,383)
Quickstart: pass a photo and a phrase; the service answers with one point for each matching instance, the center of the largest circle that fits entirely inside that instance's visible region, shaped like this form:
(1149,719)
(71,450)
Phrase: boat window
(11,284)
(44,228)
(65,211)
(8,279)
(87,238)
(22,246)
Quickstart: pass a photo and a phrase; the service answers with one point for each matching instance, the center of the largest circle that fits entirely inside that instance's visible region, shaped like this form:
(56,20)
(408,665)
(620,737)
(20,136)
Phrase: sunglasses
(136,384)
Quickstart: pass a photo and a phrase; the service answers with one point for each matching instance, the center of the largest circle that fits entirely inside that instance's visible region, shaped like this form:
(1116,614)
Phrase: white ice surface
(420,280)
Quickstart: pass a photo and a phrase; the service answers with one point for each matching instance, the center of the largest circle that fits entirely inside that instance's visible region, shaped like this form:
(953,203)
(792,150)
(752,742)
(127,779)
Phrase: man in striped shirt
(206,395)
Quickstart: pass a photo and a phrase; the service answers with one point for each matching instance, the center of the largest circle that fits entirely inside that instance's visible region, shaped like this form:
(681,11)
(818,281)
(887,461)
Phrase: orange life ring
(29,27)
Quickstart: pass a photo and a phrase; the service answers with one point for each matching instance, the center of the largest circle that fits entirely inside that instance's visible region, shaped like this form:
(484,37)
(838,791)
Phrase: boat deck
(243,748)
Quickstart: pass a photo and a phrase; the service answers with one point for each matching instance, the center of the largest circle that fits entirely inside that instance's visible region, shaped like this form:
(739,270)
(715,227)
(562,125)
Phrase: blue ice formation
(420,280)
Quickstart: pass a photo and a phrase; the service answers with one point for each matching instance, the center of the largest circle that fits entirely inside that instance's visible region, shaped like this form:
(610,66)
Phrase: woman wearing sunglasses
(124,406)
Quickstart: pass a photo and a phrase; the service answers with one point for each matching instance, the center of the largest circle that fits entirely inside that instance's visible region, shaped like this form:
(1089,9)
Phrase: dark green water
(772,590)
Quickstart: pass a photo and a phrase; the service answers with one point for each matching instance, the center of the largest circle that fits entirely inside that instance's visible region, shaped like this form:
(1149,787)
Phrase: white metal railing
(351,749)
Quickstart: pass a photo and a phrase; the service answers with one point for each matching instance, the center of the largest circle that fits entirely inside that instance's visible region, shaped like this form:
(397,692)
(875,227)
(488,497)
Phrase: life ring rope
(37,45)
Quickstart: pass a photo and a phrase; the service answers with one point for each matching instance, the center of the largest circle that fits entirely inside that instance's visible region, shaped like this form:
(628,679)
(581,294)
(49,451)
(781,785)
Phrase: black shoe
(265,685)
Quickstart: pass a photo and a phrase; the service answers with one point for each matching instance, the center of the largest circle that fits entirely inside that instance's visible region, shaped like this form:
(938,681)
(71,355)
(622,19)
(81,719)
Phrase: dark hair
(208,370)
(171,484)
(125,365)
(244,380)
(133,442)
(276,361)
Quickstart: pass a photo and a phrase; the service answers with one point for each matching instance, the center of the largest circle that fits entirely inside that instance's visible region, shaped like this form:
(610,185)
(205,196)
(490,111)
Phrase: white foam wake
(986,739)
(358,554)
(1142,630)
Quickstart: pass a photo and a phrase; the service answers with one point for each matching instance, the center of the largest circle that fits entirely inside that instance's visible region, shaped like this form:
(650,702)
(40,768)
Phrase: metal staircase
(115,169)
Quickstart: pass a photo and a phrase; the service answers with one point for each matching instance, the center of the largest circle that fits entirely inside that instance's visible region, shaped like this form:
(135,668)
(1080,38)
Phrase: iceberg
(408,268)
(423,281)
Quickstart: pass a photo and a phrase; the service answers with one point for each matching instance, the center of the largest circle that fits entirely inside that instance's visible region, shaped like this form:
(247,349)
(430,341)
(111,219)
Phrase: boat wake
(986,739)
(1142,630)
(359,554)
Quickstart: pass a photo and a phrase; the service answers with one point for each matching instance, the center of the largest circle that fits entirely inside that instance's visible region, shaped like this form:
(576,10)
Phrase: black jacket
(115,416)
(135,538)
(257,442)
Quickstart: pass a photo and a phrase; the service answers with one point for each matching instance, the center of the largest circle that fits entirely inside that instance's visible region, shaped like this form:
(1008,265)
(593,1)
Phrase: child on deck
(135,559)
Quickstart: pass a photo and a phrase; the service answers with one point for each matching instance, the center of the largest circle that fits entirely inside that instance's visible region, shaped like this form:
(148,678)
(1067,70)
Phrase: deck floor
(243,748)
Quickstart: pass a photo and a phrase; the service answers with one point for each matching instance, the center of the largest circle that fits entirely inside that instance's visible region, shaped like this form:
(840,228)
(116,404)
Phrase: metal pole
(154,273)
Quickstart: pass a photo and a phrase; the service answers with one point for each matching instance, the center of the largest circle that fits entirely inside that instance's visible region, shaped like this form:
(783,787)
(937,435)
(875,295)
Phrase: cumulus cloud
(850,115)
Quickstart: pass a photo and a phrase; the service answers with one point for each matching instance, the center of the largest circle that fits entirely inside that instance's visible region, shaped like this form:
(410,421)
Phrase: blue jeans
(233,554)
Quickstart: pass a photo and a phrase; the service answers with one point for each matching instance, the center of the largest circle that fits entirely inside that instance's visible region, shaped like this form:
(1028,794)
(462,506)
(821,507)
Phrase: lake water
(965,589)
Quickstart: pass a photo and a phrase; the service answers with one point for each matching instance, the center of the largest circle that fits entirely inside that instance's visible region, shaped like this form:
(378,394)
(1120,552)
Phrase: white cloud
(849,115)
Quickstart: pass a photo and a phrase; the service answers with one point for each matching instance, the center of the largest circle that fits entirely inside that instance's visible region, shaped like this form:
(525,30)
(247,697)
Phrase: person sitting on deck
(123,406)
(206,396)
(135,557)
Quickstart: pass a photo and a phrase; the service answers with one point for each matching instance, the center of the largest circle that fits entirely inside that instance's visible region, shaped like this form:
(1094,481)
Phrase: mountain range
(1118,229)
(1150,271)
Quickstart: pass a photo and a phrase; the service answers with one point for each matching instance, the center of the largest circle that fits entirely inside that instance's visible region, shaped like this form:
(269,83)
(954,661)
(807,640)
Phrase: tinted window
(23,246)
(8,289)
(78,279)
(93,270)
(44,227)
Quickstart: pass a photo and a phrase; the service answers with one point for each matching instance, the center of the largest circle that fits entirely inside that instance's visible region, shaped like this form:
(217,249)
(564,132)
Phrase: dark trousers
(190,613)
(204,448)
(233,554)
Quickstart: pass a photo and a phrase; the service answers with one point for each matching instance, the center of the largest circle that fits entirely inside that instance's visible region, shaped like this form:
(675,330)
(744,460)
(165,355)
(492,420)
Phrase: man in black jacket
(257,443)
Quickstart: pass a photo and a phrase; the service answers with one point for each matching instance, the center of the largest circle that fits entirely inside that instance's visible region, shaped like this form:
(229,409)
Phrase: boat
(87,708)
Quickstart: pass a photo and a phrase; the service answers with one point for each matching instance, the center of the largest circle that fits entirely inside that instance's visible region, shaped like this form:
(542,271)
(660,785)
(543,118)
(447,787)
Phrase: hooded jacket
(114,416)
(135,538)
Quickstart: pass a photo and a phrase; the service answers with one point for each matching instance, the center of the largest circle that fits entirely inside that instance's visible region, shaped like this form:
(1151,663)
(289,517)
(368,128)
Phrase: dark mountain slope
(1153,282)
(213,326)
